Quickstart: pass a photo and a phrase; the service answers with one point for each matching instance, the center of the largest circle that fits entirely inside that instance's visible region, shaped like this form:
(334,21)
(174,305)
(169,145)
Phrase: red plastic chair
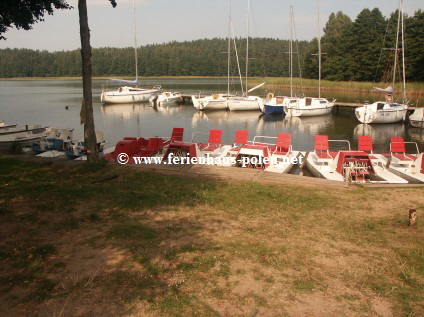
(283,144)
(321,147)
(177,134)
(214,142)
(365,145)
(241,137)
(398,150)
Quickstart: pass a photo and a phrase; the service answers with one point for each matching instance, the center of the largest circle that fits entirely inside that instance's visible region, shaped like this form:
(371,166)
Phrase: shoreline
(414,89)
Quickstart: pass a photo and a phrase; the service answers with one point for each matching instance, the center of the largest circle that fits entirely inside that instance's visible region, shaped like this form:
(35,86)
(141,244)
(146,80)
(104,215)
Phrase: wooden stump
(412,218)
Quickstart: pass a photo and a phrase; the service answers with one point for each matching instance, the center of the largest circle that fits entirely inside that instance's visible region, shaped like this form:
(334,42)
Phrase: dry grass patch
(144,244)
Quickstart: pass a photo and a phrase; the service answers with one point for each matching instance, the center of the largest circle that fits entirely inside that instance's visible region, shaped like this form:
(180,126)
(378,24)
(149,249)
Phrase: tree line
(356,50)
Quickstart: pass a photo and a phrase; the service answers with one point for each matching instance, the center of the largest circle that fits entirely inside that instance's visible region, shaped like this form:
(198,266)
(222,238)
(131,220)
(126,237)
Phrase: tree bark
(87,117)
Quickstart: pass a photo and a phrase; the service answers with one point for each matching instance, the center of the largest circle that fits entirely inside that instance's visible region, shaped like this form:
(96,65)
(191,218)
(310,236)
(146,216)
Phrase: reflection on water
(416,135)
(243,120)
(44,102)
(309,125)
(380,133)
(123,111)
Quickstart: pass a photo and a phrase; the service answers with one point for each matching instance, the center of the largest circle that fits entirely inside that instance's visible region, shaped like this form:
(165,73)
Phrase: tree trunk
(87,104)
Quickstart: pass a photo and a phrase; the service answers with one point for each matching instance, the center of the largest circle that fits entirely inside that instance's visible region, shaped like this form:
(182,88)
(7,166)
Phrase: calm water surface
(45,102)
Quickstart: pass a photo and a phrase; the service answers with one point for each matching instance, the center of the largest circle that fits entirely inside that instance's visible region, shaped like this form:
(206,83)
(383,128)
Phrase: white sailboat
(129,93)
(217,101)
(246,102)
(212,102)
(388,111)
(308,106)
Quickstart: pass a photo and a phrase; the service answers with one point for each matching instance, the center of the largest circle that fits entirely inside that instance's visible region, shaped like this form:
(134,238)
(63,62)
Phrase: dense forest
(352,50)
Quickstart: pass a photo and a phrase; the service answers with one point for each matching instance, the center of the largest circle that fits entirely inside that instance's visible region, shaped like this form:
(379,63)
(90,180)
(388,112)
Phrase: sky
(161,21)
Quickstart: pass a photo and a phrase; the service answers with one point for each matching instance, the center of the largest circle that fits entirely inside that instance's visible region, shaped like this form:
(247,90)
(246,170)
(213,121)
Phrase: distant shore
(414,89)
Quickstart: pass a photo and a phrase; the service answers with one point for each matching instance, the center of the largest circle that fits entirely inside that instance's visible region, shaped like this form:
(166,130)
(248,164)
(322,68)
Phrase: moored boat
(166,98)
(382,111)
(20,136)
(273,105)
(416,119)
(128,94)
(400,162)
(347,165)
(245,103)
(308,107)
(389,111)
(212,102)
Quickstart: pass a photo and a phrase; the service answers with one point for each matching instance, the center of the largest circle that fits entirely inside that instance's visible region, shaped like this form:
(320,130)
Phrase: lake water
(44,102)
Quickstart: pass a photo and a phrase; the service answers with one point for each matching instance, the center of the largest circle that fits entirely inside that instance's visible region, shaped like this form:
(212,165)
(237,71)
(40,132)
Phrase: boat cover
(389,90)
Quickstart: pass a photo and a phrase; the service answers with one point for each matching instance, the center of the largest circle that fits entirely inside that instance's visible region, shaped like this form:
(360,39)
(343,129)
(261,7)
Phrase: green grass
(203,248)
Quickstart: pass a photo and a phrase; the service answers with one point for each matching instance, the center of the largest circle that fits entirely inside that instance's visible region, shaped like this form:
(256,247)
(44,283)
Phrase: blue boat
(270,109)
(273,105)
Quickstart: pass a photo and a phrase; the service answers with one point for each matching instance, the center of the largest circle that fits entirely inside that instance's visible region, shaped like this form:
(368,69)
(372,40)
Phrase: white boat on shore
(21,136)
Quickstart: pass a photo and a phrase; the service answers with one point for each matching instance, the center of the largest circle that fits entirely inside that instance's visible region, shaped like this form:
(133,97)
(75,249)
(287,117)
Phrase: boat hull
(268,109)
(417,118)
(307,106)
(369,114)
(417,124)
(300,112)
(213,102)
(244,104)
(213,105)
(328,170)
(21,137)
(8,146)
(116,97)
(169,101)
(413,174)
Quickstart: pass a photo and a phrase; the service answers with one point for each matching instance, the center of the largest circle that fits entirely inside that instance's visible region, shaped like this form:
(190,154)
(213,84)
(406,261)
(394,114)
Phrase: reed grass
(271,82)
(413,88)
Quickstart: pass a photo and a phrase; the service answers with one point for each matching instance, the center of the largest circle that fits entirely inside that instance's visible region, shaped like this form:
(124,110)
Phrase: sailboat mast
(135,43)
(319,53)
(397,44)
(247,45)
(403,51)
(291,51)
(229,47)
